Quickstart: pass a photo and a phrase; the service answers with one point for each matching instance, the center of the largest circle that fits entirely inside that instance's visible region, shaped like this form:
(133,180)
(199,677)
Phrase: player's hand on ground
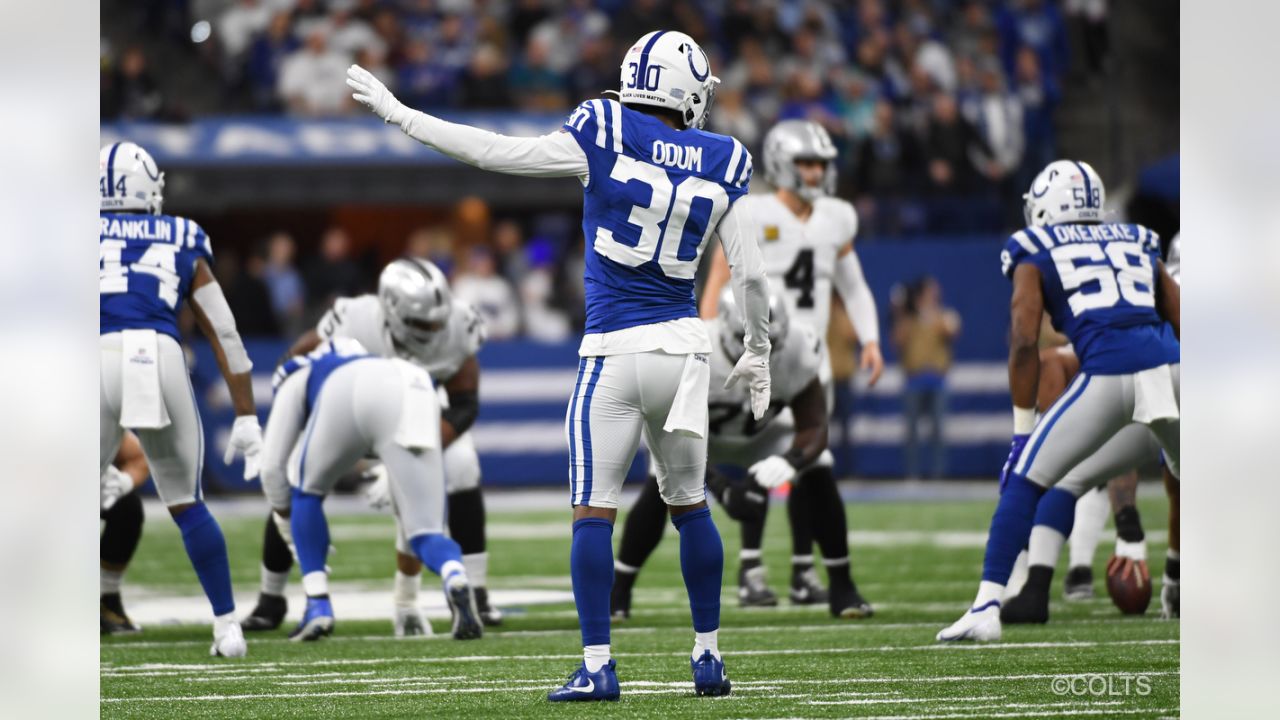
(370,92)
(772,471)
(246,440)
(378,492)
(1016,447)
(1124,567)
(753,368)
(116,483)
(872,361)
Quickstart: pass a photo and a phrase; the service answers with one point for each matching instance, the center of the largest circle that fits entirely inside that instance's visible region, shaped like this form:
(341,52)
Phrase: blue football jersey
(145,267)
(327,357)
(1099,289)
(653,197)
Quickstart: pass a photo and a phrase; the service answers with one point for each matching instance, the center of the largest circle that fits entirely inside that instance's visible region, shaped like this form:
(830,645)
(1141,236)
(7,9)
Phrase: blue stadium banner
(261,141)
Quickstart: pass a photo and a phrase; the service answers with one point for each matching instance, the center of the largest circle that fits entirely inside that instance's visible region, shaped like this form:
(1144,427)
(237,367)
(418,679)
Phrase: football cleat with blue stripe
(709,677)
(586,686)
(981,624)
(466,619)
(317,621)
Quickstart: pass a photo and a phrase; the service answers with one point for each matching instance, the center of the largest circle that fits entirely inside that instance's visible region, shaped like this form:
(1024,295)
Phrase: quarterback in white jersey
(413,317)
(806,237)
(787,444)
(656,187)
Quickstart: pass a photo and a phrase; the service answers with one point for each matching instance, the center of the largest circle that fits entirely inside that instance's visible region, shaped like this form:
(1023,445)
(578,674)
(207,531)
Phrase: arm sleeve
(288,412)
(214,306)
(746,275)
(857,298)
(553,155)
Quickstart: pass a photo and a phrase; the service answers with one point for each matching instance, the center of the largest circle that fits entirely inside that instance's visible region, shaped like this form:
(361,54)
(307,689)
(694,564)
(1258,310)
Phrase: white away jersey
(793,365)
(361,319)
(800,255)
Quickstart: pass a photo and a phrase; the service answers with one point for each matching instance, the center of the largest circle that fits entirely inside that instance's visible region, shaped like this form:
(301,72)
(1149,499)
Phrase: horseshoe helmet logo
(700,76)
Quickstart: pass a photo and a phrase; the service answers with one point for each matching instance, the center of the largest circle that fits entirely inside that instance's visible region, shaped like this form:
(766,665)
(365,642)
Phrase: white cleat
(980,625)
(228,640)
(409,622)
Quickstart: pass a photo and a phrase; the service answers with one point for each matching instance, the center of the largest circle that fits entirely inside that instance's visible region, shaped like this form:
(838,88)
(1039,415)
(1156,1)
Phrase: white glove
(246,439)
(1131,550)
(370,92)
(116,483)
(378,493)
(772,471)
(754,368)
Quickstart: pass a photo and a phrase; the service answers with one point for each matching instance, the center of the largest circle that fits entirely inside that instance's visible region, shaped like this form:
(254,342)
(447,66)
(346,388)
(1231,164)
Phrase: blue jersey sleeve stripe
(616,110)
(746,170)
(733,160)
(179,231)
(1021,238)
(598,109)
(1043,236)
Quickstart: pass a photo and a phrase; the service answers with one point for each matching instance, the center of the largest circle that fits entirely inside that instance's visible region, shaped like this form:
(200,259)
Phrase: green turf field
(918,564)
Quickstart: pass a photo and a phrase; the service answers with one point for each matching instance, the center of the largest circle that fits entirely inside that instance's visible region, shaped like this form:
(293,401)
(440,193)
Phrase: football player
(413,316)
(1105,287)
(789,444)
(149,263)
(122,519)
(333,407)
(806,235)
(656,187)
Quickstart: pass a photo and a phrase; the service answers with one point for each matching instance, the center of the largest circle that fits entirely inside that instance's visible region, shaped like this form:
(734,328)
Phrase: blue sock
(434,550)
(591,567)
(1057,509)
(208,552)
(1010,528)
(702,564)
(310,531)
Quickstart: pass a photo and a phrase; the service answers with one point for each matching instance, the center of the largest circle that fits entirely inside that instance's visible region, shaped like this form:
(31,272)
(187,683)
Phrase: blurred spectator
(923,333)
(132,92)
(266,56)
(310,78)
(1039,96)
(595,71)
(1037,24)
(247,293)
(1091,15)
(284,283)
(484,85)
(997,115)
(349,34)
(239,23)
(730,116)
(332,274)
(537,287)
(423,82)
(949,144)
(508,243)
(480,285)
(882,160)
(562,37)
(538,86)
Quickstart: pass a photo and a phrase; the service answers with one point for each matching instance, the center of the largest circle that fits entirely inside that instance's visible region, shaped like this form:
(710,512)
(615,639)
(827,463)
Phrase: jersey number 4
(1121,270)
(159,261)
(673,204)
(800,277)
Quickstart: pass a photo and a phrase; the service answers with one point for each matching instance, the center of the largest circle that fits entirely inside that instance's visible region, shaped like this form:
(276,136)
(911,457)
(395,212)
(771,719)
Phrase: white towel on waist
(688,415)
(419,426)
(141,401)
(1153,397)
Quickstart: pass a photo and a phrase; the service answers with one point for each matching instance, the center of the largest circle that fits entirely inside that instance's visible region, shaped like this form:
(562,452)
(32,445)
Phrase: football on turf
(1131,591)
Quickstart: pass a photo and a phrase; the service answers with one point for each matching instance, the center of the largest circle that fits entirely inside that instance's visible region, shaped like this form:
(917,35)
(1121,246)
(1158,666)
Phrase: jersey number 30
(1122,270)
(673,204)
(159,261)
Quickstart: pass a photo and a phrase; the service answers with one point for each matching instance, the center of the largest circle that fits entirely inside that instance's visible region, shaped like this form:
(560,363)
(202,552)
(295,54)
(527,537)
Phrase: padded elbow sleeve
(214,305)
(462,411)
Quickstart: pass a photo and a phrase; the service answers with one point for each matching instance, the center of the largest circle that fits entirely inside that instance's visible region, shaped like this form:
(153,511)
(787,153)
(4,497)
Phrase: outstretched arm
(554,155)
(214,317)
(860,305)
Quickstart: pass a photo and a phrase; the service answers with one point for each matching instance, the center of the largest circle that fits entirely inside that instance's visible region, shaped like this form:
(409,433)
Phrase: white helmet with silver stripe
(792,140)
(668,69)
(416,301)
(1066,191)
(129,179)
(733,330)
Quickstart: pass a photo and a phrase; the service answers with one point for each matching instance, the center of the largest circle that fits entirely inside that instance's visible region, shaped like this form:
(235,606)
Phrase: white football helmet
(733,330)
(792,140)
(416,301)
(129,179)
(1066,191)
(668,69)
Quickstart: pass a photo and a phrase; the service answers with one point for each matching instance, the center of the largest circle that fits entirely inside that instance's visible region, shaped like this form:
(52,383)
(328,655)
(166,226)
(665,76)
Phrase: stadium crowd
(942,108)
